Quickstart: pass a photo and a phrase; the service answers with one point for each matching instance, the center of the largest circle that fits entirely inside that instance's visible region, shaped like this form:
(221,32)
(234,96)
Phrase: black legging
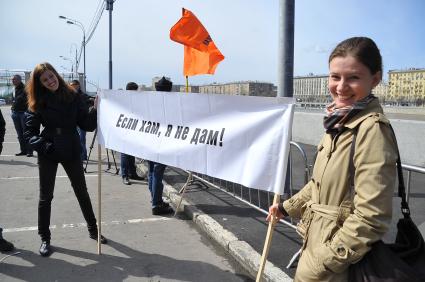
(47,171)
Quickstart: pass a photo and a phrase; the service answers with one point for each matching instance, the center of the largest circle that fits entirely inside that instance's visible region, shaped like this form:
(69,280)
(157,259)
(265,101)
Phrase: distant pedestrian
(2,131)
(128,163)
(55,106)
(89,101)
(156,170)
(5,246)
(338,223)
(19,107)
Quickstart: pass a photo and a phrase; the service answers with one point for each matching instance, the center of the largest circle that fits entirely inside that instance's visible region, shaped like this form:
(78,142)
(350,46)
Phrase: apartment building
(190,89)
(381,90)
(247,88)
(311,88)
(406,85)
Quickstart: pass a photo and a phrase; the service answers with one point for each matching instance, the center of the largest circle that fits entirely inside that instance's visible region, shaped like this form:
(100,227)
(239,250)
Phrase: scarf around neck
(337,117)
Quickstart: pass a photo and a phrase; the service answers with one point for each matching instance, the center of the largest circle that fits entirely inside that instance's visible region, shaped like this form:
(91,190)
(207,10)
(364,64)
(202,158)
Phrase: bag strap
(401,188)
(405,210)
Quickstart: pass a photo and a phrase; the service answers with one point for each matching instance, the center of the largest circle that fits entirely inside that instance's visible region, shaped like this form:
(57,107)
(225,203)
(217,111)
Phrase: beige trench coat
(339,231)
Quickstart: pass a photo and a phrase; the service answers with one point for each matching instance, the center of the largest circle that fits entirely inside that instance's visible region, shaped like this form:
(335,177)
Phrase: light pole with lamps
(80,25)
(76,58)
(110,7)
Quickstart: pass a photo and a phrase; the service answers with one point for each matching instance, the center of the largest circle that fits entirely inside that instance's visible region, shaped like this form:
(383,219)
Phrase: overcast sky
(245,31)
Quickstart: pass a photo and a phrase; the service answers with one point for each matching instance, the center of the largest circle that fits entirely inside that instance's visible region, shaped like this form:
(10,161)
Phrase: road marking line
(77,225)
(37,177)
(103,155)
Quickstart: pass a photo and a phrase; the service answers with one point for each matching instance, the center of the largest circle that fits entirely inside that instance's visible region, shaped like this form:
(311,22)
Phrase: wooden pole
(99,198)
(182,190)
(189,177)
(268,241)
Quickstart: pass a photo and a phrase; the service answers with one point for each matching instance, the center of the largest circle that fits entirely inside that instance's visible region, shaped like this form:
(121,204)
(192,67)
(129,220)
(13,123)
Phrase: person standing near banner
(338,229)
(156,170)
(89,101)
(19,107)
(128,163)
(59,109)
(2,130)
(5,246)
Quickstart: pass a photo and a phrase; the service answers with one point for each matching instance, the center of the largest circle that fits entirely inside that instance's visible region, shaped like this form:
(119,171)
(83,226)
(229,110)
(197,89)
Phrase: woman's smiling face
(350,80)
(49,80)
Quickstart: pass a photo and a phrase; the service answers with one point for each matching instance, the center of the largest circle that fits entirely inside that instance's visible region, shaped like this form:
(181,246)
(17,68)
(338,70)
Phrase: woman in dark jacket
(56,106)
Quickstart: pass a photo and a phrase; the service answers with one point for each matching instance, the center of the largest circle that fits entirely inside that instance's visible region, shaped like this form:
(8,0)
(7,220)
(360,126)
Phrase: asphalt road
(141,247)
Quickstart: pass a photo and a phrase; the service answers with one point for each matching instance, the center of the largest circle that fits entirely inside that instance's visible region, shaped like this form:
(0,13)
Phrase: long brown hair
(38,94)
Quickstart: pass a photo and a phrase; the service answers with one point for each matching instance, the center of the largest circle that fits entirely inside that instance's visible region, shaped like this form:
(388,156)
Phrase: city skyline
(244,31)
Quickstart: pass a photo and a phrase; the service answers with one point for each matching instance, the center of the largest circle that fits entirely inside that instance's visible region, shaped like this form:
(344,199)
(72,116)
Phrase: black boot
(126,180)
(162,209)
(93,235)
(45,248)
(5,246)
(103,240)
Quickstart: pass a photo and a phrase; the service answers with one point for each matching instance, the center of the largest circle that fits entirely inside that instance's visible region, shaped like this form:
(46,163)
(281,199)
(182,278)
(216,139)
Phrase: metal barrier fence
(410,169)
(261,200)
(257,199)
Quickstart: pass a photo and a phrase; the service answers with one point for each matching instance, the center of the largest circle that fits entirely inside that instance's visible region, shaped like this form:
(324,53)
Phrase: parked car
(2,102)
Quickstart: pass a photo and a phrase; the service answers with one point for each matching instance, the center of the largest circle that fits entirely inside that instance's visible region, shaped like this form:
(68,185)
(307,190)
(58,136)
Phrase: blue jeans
(19,122)
(156,173)
(128,166)
(82,134)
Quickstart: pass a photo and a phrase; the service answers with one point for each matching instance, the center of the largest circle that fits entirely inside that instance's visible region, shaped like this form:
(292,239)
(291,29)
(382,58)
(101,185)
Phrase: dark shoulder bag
(403,260)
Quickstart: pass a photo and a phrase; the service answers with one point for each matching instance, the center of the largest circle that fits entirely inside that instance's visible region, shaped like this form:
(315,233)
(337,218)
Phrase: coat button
(341,251)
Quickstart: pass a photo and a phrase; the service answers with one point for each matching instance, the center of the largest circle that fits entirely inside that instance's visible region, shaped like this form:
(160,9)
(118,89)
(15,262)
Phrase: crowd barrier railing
(255,198)
(410,169)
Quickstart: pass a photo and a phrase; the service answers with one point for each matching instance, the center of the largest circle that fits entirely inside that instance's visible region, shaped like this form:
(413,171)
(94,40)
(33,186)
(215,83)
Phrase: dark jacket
(59,139)
(87,99)
(20,102)
(2,129)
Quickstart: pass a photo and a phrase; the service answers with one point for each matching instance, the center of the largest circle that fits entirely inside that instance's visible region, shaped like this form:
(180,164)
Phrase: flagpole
(189,177)
(99,198)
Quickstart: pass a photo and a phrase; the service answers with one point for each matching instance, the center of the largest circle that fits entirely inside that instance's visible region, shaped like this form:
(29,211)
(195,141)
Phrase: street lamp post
(80,25)
(110,7)
(76,58)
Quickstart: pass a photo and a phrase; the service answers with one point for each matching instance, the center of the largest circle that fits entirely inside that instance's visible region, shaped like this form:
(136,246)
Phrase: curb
(241,251)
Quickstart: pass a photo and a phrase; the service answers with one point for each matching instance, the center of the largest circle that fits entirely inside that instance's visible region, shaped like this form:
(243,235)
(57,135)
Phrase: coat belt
(333,213)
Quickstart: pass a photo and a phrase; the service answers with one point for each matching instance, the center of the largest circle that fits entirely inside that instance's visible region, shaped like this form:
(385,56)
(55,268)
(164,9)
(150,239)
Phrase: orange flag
(201,56)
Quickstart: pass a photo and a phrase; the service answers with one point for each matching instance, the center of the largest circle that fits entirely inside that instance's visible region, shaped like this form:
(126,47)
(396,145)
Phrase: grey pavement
(216,221)
(141,247)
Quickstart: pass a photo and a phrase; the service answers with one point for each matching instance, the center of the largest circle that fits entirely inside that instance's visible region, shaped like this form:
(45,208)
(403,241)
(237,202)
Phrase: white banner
(243,139)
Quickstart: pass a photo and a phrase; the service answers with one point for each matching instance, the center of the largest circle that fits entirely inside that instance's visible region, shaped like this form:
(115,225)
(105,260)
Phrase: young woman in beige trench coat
(339,227)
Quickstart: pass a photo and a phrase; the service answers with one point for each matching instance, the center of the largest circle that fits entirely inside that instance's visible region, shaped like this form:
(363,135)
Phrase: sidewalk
(237,227)
(141,247)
